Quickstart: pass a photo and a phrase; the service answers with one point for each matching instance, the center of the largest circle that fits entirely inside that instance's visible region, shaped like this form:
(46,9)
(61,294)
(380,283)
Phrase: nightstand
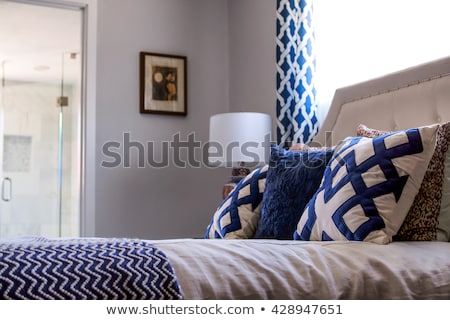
(237,174)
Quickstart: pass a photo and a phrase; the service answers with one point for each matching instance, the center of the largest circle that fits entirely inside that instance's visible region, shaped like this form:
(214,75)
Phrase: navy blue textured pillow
(292,179)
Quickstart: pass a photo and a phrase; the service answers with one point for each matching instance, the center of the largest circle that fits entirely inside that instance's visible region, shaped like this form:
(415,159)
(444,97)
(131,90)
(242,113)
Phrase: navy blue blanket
(41,268)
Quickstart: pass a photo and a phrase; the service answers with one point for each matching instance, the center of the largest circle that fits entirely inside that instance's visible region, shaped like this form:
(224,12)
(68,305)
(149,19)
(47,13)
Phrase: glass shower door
(40,121)
(29,162)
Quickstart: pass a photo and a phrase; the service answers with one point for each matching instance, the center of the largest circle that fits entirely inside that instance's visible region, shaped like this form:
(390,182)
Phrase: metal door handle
(6,192)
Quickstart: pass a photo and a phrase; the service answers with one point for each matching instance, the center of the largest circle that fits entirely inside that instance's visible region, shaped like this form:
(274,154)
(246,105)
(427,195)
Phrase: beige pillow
(421,222)
(309,147)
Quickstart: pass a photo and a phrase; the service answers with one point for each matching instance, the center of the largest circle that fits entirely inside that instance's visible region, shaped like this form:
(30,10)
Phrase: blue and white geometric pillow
(368,187)
(238,215)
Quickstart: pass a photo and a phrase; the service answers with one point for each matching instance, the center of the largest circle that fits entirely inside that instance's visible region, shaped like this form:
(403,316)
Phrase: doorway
(40,120)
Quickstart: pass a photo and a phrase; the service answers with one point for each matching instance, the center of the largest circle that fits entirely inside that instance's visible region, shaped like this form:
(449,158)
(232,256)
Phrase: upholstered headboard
(412,97)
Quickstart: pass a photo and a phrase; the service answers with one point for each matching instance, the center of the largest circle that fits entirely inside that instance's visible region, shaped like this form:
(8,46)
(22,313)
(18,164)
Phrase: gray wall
(252,55)
(230,68)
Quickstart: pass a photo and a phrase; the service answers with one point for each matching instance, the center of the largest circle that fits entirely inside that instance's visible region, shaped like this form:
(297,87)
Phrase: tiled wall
(30,123)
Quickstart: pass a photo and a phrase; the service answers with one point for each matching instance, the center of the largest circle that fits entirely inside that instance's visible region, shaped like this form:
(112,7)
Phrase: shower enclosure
(40,112)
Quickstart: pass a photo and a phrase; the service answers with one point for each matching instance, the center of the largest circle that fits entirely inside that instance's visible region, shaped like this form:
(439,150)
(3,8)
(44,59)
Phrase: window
(358,40)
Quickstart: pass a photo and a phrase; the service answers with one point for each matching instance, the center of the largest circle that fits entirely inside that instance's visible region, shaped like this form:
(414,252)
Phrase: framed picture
(163,84)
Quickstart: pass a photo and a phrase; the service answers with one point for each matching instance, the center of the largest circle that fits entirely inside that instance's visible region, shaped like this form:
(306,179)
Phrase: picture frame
(163,83)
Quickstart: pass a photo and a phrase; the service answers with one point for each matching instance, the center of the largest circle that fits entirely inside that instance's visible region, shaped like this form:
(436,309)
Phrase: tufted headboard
(412,97)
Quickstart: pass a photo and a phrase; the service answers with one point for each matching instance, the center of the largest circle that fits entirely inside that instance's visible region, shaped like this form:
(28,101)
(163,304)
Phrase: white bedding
(279,269)
(241,269)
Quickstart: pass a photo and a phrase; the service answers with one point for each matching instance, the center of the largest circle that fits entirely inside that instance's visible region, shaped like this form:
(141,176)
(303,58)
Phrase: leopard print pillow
(422,220)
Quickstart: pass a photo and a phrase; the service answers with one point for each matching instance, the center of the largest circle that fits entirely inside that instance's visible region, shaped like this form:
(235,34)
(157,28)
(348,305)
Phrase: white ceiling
(36,40)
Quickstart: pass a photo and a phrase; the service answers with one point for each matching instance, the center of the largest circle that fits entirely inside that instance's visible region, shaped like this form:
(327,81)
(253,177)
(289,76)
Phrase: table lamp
(240,141)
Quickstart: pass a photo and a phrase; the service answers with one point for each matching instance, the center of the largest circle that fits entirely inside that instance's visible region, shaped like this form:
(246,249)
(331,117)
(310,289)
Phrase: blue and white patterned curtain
(296,94)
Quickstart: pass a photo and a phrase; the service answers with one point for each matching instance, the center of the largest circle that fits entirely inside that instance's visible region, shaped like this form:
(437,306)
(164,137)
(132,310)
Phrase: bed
(252,251)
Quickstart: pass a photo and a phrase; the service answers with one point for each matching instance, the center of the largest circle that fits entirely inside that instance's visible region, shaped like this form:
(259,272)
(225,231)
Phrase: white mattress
(241,269)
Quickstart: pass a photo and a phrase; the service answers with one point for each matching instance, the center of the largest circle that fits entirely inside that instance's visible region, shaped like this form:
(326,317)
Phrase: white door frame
(88,83)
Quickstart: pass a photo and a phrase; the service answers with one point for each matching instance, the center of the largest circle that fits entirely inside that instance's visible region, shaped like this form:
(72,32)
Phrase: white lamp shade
(239,137)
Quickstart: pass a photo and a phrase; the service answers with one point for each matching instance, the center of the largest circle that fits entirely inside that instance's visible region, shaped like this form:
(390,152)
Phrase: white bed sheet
(274,269)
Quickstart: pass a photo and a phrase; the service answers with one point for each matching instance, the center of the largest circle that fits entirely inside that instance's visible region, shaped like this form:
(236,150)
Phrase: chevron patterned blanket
(85,269)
